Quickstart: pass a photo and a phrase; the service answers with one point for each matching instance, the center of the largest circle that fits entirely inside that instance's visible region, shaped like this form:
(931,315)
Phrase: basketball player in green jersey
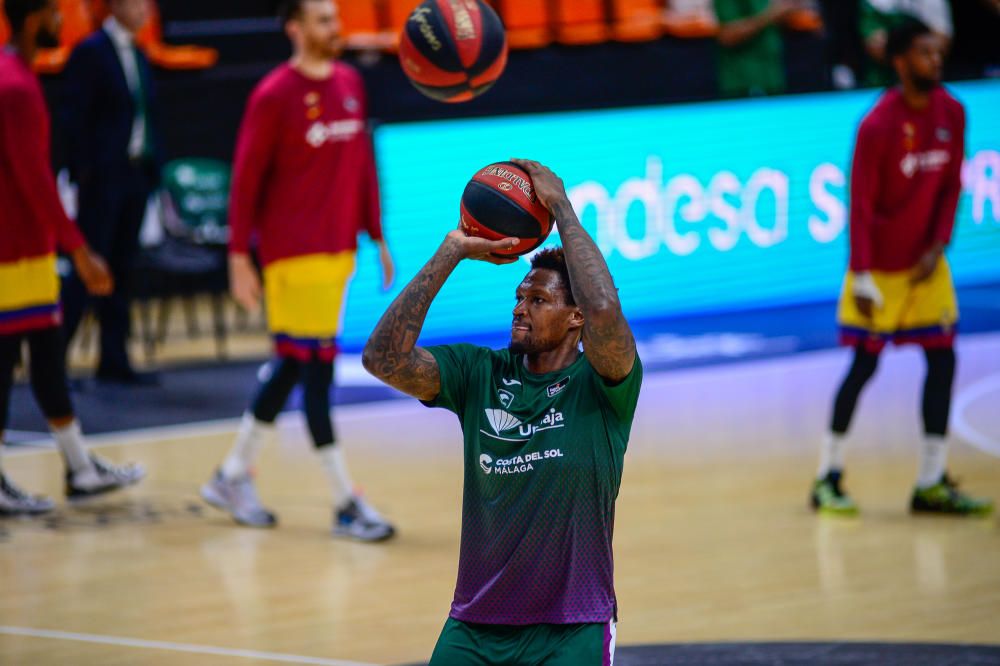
(545,428)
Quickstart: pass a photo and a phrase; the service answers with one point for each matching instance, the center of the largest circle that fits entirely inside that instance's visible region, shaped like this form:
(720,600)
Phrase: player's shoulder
(275,85)
(16,82)
(943,96)
(347,71)
(350,75)
(883,114)
(464,350)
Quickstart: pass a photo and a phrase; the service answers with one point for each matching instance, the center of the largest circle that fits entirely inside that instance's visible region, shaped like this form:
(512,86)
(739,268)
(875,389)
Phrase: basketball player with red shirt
(304,185)
(905,183)
(32,226)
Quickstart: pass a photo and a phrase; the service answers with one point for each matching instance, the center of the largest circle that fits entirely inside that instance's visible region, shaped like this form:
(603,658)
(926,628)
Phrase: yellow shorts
(305,298)
(29,294)
(925,313)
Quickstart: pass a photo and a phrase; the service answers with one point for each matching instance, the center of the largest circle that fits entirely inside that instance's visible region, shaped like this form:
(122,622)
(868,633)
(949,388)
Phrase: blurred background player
(546,427)
(906,179)
(751,55)
(109,113)
(878,17)
(304,182)
(32,226)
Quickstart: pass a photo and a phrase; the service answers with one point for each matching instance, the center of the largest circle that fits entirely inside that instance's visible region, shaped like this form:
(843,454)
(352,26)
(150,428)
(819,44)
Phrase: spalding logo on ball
(453,50)
(500,202)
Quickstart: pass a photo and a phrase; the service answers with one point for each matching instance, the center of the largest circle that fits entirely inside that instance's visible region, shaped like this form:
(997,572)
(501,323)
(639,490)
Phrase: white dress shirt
(125,48)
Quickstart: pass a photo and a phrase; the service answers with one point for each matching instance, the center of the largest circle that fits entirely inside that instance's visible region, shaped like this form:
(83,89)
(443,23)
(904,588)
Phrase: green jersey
(756,66)
(543,464)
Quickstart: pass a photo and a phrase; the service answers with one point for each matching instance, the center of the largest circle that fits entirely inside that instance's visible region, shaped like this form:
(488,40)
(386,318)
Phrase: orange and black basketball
(453,50)
(500,202)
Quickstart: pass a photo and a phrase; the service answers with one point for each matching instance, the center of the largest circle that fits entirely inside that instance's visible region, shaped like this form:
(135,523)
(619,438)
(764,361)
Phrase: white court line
(175,647)
(962,401)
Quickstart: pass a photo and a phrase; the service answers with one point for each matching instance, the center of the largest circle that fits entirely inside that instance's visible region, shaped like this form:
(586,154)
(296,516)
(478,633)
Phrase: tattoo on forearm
(390,353)
(607,338)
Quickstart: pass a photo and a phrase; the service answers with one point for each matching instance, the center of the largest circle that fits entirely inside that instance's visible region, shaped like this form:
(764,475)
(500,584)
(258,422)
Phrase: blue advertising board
(698,208)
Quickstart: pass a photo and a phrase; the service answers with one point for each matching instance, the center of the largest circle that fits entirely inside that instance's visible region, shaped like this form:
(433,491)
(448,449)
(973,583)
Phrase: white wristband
(865,287)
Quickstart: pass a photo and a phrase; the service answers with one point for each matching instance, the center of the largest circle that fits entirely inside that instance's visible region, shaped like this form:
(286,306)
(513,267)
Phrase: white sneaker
(102,477)
(359,520)
(239,497)
(16,502)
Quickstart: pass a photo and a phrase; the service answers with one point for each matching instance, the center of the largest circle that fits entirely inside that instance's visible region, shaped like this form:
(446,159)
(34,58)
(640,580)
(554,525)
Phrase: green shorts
(466,644)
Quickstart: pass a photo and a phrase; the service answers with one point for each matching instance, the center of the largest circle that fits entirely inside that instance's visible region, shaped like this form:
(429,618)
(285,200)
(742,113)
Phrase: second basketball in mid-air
(453,50)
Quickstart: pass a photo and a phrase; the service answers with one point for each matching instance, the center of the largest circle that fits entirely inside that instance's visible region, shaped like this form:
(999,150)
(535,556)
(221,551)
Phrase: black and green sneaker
(945,497)
(828,498)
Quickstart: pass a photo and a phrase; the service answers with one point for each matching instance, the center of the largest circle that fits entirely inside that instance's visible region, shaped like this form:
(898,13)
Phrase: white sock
(250,440)
(933,459)
(831,453)
(336,469)
(70,442)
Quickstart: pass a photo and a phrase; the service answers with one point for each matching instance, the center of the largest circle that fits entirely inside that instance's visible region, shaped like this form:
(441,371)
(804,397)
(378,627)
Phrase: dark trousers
(48,373)
(112,203)
(282,376)
(936,403)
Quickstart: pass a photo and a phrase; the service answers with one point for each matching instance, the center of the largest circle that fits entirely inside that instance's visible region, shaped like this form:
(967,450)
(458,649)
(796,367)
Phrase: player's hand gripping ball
(500,202)
(453,50)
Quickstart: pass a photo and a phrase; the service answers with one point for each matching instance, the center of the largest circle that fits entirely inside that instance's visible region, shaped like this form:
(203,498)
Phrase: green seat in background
(197,201)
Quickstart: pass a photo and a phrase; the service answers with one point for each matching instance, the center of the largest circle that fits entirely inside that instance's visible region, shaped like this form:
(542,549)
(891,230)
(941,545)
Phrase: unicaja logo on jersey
(485,462)
(500,420)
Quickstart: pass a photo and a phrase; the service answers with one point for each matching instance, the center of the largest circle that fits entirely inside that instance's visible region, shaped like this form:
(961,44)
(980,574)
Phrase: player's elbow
(370,358)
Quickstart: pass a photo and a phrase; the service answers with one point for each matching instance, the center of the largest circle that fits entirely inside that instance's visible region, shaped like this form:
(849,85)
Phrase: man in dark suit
(113,148)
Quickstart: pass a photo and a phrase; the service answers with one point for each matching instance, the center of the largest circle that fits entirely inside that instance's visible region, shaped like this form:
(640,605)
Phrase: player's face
(542,317)
(922,64)
(320,29)
(49,26)
(132,14)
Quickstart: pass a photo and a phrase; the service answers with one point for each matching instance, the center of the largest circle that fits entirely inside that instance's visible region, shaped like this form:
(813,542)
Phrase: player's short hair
(289,10)
(18,11)
(902,36)
(554,259)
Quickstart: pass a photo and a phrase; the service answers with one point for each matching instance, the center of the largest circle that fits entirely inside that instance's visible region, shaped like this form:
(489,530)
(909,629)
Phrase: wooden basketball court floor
(713,538)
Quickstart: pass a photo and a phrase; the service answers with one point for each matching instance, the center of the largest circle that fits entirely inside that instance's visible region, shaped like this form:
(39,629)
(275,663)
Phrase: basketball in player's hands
(500,202)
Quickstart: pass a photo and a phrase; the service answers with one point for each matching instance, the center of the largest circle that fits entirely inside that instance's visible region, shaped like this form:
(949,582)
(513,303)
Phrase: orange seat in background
(691,19)
(361,25)
(394,16)
(580,21)
(4,27)
(805,20)
(528,23)
(167,56)
(636,20)
(77,24)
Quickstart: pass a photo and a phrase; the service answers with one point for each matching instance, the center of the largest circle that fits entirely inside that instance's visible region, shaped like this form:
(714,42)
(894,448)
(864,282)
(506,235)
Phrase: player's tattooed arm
(391,353)
(607,339)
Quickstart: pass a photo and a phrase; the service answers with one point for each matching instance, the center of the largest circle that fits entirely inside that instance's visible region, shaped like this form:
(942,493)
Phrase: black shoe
(128,377)
(945,497)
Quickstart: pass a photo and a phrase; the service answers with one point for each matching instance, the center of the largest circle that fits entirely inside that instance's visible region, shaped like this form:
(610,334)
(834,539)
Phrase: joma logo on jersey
(506,398)
(502,421)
